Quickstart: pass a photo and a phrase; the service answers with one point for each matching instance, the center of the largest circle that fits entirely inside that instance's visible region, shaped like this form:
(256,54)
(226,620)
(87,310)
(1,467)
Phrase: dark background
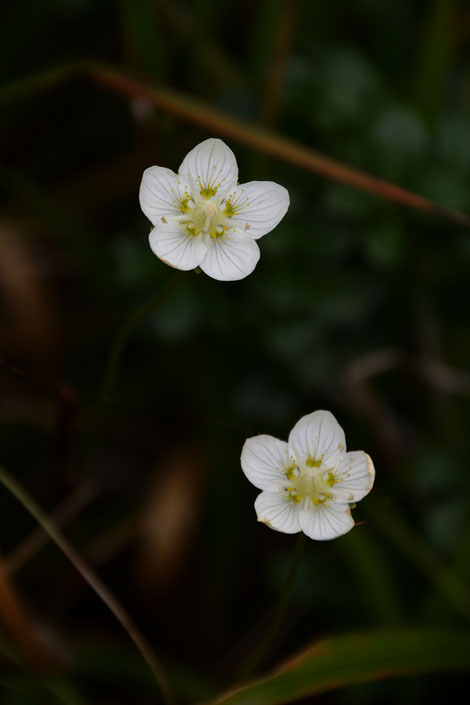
(358,305)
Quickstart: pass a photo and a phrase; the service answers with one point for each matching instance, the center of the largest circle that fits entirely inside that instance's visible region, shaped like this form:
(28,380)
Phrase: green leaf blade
(337,662)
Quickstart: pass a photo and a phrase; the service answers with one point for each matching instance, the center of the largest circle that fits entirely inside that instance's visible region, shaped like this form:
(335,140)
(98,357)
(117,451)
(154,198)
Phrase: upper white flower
(309,482)
(203,218)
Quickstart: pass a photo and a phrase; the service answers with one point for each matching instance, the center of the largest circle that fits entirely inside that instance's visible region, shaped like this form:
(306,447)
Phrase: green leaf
(337,662)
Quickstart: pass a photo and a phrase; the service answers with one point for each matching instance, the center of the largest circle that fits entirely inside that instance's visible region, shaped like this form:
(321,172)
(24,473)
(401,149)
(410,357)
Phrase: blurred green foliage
(356,305)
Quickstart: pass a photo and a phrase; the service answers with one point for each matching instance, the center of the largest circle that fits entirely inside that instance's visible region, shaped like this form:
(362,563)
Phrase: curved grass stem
(126,330)
(93,581)
(278,618)
(113,362)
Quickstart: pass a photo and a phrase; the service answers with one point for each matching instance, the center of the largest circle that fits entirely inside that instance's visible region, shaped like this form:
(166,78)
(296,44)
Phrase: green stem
(278,619)
(113,362)
(124,333)
(93,581)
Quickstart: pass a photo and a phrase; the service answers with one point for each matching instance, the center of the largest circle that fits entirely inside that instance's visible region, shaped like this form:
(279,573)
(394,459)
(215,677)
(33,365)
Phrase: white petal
(264,461)
(161,193)
(230,257)
(316,436)
(323,522)
(171,243)
(354,474)
(211,166)
(258,206)
(278,512)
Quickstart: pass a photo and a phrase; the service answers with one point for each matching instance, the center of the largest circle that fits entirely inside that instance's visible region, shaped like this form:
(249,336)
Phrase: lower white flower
(309,482)
(203,218)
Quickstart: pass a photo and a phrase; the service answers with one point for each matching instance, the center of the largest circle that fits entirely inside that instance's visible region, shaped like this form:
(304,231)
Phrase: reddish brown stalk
(268,142)
(262,140)
(67,510)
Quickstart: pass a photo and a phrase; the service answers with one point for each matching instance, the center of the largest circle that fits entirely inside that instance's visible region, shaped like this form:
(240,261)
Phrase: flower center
(313,483)
(206,216)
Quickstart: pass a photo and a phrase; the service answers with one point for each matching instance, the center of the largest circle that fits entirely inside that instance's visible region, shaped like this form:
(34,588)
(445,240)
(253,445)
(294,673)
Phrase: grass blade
(337,662)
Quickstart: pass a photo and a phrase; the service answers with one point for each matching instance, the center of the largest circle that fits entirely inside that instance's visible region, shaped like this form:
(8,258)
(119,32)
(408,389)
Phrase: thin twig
(269,142)
(198,113)
(93,581)
(278,618)
(113,361)
(69,509)
(126,330)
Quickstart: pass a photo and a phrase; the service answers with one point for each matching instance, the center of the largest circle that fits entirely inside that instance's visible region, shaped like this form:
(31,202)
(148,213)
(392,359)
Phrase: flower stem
(93,581)
(127,328)
(113,362)
(278,618)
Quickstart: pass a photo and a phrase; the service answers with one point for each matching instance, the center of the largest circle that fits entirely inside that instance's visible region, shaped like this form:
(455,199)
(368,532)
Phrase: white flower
(203,218)
(309,482)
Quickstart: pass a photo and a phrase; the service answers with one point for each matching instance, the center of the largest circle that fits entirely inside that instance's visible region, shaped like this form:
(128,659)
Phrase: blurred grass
(357,305)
